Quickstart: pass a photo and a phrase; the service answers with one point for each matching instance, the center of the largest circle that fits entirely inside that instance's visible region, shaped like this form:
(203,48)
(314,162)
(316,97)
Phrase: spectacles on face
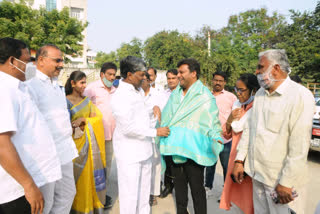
(57,60)
(240,90)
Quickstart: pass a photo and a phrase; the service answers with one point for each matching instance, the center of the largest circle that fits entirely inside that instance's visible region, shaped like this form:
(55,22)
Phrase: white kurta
(275,140)
(153,98)
(132,141)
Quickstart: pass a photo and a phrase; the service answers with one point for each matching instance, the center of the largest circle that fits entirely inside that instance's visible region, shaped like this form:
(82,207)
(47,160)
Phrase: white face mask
(266,79)
(17,67)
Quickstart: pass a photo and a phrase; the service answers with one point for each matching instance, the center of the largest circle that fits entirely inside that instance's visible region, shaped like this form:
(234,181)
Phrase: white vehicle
(315,139)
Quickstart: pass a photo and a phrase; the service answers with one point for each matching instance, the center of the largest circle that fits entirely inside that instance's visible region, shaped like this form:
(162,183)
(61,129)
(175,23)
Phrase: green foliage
(39,27)
(235,48)
(134,48)
(166,48)
(301,40)
(103,57)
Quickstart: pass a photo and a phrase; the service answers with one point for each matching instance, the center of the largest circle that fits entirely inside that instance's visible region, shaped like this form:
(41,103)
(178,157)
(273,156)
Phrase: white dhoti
(156,171)
(263,203)
(58,196)
(134,181)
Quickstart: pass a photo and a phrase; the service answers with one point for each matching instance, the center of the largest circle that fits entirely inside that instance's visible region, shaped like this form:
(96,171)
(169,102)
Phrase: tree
(134,48)
(301,40)
(39,27)
(166,48)
(103,57)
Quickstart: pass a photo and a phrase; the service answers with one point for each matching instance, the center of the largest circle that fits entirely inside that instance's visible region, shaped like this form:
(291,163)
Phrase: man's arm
(11,163)
(242,151)
(300,127)
(124,114)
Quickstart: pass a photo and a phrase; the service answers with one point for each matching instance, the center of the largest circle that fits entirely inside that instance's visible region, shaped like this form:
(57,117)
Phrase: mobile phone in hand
(274,195)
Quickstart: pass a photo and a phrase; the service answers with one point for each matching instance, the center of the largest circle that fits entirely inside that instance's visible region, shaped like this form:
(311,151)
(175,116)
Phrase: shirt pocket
(274,120)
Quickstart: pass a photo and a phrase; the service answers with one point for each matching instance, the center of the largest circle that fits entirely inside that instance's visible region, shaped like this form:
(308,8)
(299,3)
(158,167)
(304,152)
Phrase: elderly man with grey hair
(132,138)
(275,142)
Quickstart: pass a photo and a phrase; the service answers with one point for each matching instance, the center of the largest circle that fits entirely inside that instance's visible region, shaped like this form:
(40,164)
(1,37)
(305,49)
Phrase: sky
(114,22)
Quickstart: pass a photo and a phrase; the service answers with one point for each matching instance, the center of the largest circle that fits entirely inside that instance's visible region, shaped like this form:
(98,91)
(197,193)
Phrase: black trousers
(18,206)
(168,177)
(189,173)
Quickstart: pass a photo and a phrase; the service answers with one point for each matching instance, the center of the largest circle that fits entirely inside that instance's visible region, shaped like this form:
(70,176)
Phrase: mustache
(59,68)
(217,85)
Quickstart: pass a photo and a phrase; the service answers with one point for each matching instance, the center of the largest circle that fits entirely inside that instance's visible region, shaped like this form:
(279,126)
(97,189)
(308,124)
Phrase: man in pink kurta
(100,93)
(224,100)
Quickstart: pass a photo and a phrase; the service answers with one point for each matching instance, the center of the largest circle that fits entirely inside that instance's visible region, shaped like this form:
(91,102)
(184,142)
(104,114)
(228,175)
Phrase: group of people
(58,143)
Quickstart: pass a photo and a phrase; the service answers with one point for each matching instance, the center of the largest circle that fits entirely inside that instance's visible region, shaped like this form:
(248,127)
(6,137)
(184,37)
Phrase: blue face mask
(248,101)
(107,82)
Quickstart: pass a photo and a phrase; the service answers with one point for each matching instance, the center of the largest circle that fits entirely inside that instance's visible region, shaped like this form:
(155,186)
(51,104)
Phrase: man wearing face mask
(51,101)
(28,158)
(100,92)
(225,101)
(275,142)
(132,138)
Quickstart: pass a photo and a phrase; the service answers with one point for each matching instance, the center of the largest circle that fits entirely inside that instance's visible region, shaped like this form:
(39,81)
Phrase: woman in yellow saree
(88,135)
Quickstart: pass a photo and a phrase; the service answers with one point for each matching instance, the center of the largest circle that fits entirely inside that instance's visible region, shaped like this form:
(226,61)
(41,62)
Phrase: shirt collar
(10,80)
(221,92)
(42,76)
(127,86)
(281,88)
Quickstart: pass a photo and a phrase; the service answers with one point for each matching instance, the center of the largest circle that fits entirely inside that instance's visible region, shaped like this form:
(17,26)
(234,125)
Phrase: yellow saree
(89,167)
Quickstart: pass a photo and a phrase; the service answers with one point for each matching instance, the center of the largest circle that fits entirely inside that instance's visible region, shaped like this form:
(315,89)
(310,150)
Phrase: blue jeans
(224,159)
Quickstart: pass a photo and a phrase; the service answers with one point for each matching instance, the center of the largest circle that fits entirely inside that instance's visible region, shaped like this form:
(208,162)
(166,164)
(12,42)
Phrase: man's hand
(157,113)
(284,194)
(238,172)
(163,132)
(78,122)
(236,114)
(35,198)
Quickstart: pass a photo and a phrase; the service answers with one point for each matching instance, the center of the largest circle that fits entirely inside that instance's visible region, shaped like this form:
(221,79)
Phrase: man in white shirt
(275,142)
(153,76)
(173,82)
(51,101)
(28,158)
(153,98)
(132,138)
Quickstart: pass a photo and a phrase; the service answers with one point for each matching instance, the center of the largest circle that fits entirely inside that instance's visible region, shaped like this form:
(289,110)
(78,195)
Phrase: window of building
(51,5)
(77,13)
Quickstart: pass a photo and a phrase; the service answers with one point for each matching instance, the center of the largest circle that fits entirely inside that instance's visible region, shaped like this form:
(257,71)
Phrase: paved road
(167,205)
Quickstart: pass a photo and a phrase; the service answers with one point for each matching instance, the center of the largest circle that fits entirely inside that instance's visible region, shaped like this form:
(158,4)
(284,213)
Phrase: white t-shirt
(32,138)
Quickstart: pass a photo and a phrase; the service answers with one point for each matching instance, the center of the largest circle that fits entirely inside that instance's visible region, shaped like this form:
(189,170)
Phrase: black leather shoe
(108,203)
(153,200)
(167,190)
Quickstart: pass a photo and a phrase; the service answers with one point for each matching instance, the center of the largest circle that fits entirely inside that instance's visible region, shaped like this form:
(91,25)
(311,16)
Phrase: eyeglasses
(57,60)
(239,90)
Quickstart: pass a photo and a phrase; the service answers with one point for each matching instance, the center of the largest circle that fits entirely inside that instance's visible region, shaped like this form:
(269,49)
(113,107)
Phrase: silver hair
(277,56)
(131,64)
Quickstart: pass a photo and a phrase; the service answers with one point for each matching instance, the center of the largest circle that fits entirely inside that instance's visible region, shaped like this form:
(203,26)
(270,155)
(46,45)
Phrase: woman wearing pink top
(240,195)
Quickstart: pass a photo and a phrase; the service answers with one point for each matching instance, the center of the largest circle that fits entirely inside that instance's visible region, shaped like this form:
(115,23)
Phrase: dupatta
(194,126)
